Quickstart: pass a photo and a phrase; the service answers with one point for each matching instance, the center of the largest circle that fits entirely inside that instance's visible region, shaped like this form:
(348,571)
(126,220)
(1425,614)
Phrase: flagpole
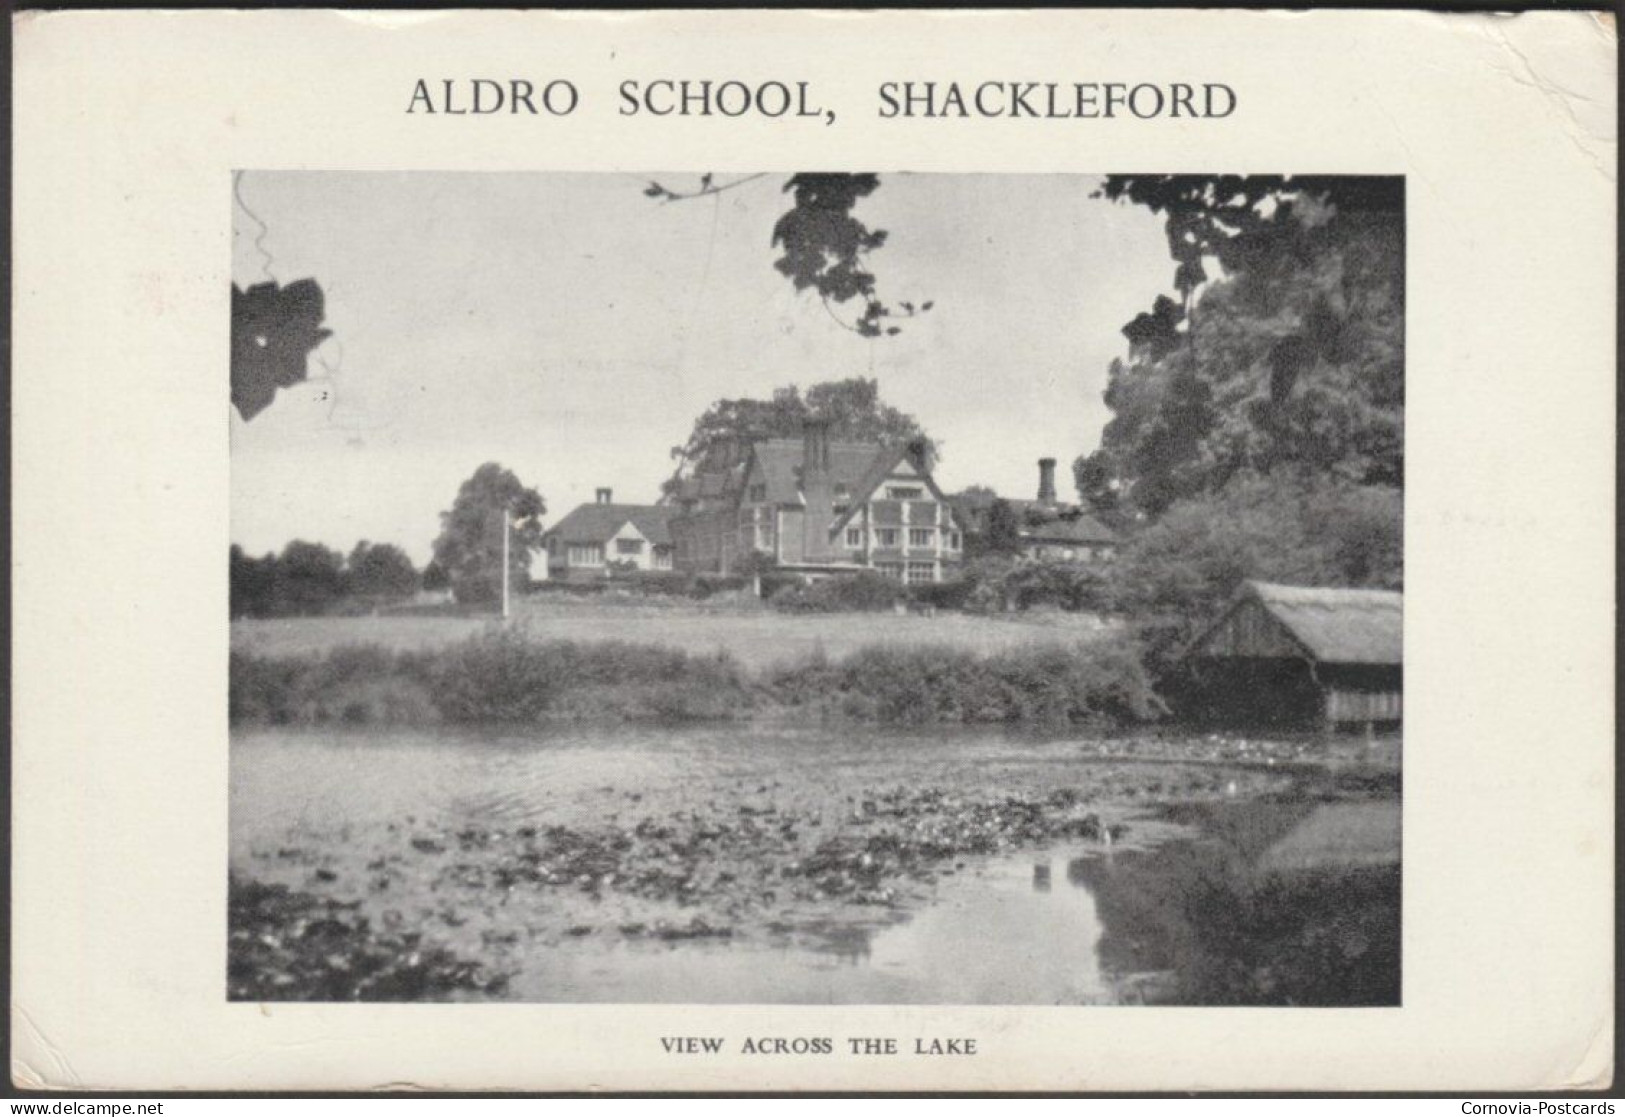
(504,563)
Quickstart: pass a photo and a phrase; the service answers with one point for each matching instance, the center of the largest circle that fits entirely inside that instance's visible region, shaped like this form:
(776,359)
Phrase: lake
(796,865)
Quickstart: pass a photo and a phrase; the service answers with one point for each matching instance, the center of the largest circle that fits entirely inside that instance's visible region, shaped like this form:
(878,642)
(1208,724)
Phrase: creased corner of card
(1594,1069)
(36,1062)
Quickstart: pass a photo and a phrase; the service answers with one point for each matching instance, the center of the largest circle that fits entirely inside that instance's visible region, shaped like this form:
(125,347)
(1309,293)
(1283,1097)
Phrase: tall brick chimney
(604,496)
(817,491)
(1046,480)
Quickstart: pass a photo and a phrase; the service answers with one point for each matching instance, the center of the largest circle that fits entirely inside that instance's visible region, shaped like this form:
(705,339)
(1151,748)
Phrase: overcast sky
(571,329)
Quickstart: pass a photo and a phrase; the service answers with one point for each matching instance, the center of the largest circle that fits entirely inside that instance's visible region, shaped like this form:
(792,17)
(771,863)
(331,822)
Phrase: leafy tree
(435,577)
(1003,529)
(380,570)
(469,547)
(252,584)
(1305,532)
(1292,360)
(309,578)
(853,408)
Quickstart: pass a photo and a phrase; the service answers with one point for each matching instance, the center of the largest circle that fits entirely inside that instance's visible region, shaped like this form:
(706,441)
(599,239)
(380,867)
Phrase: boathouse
(1296,655)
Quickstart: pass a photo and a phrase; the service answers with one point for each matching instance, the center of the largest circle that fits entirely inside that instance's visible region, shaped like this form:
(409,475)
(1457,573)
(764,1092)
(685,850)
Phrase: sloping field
(755,637)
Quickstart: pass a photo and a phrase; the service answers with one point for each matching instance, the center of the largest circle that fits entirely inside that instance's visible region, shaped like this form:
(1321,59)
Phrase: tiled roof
(598,523)
(779,460)
(1081,529)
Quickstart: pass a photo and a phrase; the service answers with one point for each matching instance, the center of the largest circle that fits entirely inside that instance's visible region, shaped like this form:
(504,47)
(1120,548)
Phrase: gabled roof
(1338,625)
(1080,529)
(598,523)
(859,467)
(879,469)
(779,461)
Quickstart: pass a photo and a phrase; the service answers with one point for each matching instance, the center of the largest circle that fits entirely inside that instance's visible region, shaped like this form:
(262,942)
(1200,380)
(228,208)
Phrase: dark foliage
(1003,536)
(435,577)
(867,592)
(1096,683)
(380,571)
(1070,586)
(1292,360)
(273,331)
(1297,531)
(309,579)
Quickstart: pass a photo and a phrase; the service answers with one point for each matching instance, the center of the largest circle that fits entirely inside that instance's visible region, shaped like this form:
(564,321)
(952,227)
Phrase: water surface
(407,823)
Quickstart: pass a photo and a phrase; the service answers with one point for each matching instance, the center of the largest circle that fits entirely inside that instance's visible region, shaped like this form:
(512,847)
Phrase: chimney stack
(1046,480)
(604,496)
(817,491)
(919,454)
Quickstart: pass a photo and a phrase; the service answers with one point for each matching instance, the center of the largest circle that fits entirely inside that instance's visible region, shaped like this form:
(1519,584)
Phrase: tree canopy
(852,407)
(1292,360)
(469,548)
(380,570)
(310,579)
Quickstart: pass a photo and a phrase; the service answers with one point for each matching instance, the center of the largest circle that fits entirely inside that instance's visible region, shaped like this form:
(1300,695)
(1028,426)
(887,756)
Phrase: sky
(571,328)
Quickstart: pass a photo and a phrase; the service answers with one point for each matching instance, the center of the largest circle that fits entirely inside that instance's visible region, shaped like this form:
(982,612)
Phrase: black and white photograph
(800,588)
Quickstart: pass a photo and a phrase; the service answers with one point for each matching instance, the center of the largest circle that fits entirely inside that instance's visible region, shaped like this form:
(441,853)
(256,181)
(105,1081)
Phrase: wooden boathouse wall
(1341,667)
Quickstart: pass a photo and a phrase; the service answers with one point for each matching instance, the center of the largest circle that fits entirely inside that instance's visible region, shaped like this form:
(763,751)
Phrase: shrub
(1075,587)
(708,585)
(865,592)
(1192,560)
(495,676)
(1098,682)
(266,689)
(943,595)
(669,583)
(777,582)
(504,676)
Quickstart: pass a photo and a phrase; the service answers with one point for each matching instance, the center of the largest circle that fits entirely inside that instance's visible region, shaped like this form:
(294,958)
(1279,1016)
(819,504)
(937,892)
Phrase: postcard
(814,550)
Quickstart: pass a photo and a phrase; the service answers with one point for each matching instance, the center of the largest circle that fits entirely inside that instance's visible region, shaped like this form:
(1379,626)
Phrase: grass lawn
(754,636)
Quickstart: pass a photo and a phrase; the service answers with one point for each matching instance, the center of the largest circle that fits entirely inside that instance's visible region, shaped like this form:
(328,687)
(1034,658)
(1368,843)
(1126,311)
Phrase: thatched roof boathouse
(1282,655)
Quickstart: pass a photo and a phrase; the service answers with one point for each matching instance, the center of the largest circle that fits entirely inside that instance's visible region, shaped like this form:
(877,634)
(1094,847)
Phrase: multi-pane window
(904,492)
(629,546)
(586,554)
(886,537)
(854,537)
(891,569)
(758,493)
(920,536)
(920,572)
(953,541)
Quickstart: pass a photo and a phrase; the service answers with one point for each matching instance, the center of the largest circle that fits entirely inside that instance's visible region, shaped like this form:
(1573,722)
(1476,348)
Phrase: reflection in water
(1244,901)
(1001,936)
(1041,876)
(1267,903)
